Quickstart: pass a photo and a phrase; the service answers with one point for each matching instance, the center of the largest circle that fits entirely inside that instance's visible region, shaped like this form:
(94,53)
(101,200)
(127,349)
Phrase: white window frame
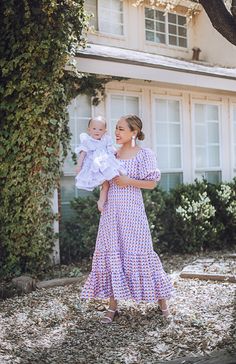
(197,171)
(154,142)
(110,93)
(167,31)
(98,21)
(233,140)
(66,173)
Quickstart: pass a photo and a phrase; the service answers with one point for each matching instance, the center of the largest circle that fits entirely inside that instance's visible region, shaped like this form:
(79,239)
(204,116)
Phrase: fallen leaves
(55,326)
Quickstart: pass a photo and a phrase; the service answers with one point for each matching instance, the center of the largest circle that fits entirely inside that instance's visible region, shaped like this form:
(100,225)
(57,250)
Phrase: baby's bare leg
(103,195)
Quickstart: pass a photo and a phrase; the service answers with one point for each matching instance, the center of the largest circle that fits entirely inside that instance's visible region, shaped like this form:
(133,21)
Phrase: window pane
(131,105)
(182,42)
(111,16)
(167,132)
(160,27)
(212,112)
(173,111)
(199,113)
(149,13)
(160,38)
(213,177)
(207,144)
(149,24)
(161,110)
(172,29)
(175,157)
(162,133)
(162,156)
(172,40)
(150,36)
(214,158)
(91,7)
(200,157)
(79,114)
(182,31)
(174,134)
(181,20)
(122,105)
(170,180)
(200,135)
(172,18)
(160,15)
(213,133)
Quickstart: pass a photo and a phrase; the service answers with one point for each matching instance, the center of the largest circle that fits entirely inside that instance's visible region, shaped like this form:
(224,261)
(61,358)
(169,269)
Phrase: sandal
(107,319)
(165,313)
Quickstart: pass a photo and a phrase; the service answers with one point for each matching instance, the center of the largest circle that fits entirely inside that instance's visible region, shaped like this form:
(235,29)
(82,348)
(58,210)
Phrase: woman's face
(123,132)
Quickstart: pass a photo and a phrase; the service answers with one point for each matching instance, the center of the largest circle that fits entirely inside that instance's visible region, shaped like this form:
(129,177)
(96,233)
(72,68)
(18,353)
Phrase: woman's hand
(121,181)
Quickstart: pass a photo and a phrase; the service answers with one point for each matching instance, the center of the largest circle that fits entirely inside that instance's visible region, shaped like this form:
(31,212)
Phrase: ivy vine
(37,39)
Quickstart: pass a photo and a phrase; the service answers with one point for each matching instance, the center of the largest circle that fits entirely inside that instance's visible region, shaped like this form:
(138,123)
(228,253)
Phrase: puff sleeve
(84,139)
(148,166)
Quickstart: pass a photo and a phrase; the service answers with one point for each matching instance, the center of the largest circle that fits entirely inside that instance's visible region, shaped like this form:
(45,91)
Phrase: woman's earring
(133,141)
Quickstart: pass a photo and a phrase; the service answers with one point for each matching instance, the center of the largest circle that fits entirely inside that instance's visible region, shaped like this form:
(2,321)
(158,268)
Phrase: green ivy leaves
(36,41)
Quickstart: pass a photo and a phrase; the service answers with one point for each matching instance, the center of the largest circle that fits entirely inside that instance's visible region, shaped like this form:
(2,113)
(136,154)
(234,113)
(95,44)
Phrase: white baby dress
(100,163)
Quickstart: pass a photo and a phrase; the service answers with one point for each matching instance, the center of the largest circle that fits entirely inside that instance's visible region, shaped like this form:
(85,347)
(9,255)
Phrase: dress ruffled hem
(126,277)
(122,287)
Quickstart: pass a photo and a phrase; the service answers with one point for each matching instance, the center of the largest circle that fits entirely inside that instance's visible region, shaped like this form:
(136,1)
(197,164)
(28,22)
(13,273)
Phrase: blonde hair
(135,124)
(98,118)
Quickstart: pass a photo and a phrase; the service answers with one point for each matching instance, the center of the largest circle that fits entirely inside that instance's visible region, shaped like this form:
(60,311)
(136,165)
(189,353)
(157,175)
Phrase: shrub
(190,218)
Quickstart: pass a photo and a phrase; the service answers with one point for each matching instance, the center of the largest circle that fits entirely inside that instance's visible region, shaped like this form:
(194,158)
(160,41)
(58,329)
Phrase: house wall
(215,49)
(147,92)
(201,34)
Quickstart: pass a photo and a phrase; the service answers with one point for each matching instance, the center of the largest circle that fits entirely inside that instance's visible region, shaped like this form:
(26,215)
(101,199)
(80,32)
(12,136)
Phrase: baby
(96,163)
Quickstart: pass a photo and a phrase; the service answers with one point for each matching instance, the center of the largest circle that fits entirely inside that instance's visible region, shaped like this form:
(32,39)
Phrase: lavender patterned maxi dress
(125,265)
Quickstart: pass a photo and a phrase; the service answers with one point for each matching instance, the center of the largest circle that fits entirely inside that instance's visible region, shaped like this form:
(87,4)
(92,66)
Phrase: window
(108,15)
(168,29)
(206,142)
(234,136)
(122,105)
(167,126)
(79,115)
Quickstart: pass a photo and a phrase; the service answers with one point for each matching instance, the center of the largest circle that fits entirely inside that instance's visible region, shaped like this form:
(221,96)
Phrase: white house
(188,106)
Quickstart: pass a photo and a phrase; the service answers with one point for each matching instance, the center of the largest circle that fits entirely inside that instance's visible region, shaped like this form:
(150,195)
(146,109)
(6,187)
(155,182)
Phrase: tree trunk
(222,20)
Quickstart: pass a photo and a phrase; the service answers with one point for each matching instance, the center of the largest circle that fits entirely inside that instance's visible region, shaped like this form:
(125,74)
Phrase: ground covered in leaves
(55,326)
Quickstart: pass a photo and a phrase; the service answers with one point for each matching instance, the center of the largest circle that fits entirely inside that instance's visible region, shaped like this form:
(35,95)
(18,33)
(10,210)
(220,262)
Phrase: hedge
(190,218)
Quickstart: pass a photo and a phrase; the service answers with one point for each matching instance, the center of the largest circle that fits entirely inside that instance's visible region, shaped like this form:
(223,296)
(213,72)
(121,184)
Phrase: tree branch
(233,8)
(222,20)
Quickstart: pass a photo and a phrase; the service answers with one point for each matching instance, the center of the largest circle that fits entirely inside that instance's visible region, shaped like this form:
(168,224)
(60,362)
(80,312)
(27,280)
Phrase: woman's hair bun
(141,135)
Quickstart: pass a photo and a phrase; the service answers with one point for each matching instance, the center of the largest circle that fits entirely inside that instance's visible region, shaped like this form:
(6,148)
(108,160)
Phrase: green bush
(78,236)
(190,218)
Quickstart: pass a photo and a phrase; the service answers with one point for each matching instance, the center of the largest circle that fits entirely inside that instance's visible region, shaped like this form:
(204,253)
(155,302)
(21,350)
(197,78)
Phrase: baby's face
(96,129)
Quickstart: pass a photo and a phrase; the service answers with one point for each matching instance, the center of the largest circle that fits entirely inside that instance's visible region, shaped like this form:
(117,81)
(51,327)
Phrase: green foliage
(37,39)
(190,218)
(78,235)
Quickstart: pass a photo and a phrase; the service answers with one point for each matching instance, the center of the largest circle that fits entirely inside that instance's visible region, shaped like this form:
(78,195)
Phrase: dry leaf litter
(55,326)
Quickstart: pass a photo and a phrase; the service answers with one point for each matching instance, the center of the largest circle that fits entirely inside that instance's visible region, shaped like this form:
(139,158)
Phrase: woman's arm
(124,181)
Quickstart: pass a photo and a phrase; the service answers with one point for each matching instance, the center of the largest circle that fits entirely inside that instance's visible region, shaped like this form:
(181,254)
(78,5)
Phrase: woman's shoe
(107,319)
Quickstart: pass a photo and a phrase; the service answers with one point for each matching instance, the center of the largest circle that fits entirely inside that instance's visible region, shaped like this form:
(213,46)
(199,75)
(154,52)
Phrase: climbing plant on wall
(37,40)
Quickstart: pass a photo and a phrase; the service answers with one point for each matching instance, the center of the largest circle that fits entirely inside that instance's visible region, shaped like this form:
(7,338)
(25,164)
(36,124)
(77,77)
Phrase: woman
(125,265)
